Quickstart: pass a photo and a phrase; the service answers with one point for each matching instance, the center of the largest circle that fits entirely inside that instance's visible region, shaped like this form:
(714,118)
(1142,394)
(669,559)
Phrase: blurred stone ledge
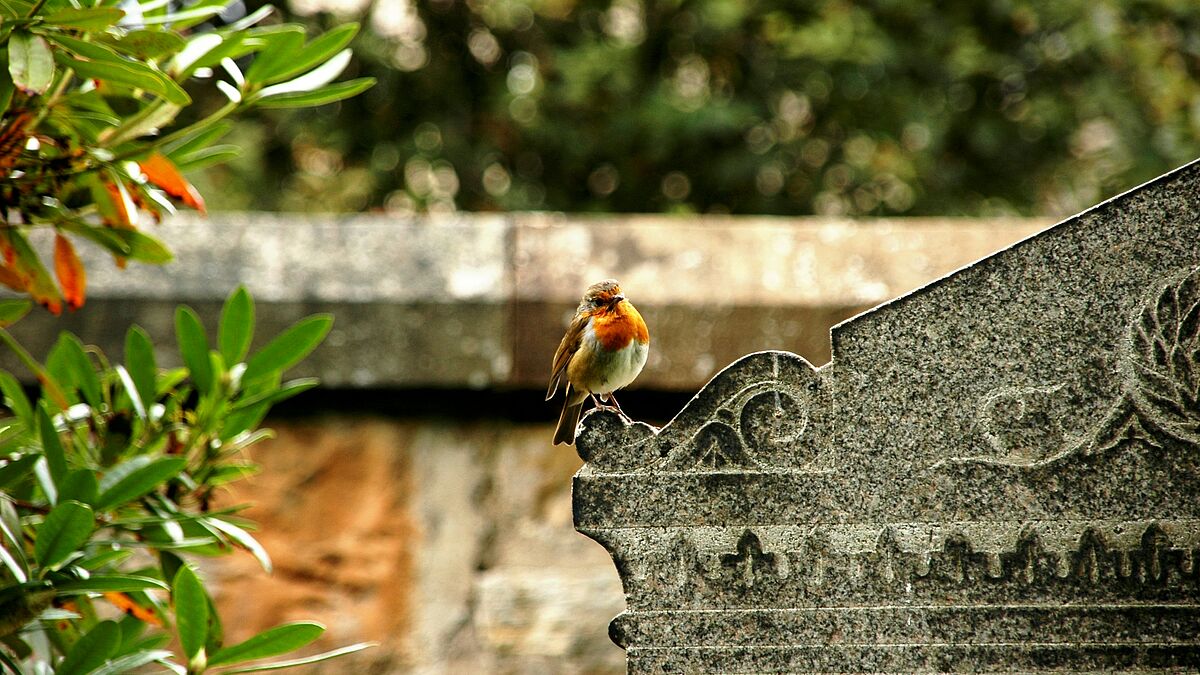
(480,300)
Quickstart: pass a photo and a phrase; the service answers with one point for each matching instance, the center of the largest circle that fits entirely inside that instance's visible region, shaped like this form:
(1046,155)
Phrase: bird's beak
(617,298)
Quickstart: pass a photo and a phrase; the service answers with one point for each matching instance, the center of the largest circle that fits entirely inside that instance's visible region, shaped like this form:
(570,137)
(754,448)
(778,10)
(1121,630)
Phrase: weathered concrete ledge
(479,301)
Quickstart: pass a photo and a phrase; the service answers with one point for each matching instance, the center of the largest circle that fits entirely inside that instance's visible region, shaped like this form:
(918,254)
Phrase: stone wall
(449,543)
(446,536)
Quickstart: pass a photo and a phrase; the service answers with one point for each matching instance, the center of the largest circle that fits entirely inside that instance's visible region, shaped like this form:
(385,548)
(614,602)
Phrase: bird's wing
(566,349)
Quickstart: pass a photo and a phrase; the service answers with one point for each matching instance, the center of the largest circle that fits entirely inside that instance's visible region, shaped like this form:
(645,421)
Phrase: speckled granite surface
(998,471)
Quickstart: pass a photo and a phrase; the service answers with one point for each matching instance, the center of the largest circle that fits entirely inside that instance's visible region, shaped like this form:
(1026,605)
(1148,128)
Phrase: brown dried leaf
(70,272)
(161,172)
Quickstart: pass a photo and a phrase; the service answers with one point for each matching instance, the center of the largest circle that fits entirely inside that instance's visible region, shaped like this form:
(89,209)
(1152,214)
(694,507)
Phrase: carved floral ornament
(1159,404)
(754,416)
(1163,362)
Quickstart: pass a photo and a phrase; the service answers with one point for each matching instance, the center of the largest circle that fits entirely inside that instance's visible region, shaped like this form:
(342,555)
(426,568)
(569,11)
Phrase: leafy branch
(105,494)
(89,140)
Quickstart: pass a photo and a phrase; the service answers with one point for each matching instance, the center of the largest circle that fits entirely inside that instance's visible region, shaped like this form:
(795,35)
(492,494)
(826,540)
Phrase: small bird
(604,350)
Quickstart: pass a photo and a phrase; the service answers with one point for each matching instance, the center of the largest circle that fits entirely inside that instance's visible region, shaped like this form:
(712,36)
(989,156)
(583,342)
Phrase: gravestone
(998,471)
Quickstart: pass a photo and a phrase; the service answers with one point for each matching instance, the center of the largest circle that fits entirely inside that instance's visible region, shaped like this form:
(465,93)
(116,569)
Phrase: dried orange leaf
(70,272)
(10,278)
(12,141)
(20,257)
(121,211)
(161,172)
(128,606)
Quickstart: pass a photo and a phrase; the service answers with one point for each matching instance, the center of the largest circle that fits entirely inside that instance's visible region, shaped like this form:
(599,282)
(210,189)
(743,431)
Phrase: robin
(604,350)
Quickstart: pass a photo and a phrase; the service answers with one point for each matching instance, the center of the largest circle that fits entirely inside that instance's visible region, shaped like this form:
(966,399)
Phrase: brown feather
(568,420)
(566,349)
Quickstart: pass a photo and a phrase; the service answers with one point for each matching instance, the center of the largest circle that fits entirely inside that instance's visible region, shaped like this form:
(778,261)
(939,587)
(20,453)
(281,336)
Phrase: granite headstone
(998,471)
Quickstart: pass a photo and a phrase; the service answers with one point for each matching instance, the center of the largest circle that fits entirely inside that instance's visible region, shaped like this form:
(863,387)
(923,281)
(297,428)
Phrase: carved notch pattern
(1094,558)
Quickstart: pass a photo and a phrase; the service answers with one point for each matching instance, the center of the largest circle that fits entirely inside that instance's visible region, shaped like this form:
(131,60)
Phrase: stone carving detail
(1161,401)
(750,562)
(751,423)
(1019,427)
(996,472)
(1120,556)
(1164,360)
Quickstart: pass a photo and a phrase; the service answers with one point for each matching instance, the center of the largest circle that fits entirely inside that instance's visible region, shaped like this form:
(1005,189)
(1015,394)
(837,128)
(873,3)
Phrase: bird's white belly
(613,370)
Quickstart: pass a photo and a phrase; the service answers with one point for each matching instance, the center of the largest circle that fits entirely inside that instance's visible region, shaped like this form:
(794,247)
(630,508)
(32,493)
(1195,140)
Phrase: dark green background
(832,107)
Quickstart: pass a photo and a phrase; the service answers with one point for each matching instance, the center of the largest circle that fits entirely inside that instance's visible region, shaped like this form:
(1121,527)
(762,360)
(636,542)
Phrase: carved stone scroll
(999,471)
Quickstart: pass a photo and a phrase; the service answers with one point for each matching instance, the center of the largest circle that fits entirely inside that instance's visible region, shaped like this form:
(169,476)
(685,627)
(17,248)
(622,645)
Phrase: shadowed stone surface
(998,471)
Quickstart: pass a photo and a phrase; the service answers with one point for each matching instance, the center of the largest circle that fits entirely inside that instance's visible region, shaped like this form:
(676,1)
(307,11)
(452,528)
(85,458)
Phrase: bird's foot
(601,404)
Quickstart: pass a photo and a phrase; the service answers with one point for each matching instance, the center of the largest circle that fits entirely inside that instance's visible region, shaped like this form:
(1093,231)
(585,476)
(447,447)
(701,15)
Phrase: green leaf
(146,44)
(30,62)
(274,396)
(132,639)
(79,485)
(237,326)
(92,650)
(12,548)
(136,477)
(110,583)
(130,73)
(131,662)
(15,399)
(16,471)
(218,154)
(139,360)
(104,236)
(315,53)
(10,561)
(243,419)
(11,432)
(112,556)
(244,539)
(15,9)
(193,347)
(282,49)
(329,94)
(52,448)
(6,84)
(204,136)
(143,247)
(232,472)
(231,45)
(191,611)
(94,19)
(184,63)
(66,528)
(271,642)
(93,51)
(79,371)
(250,19)
(146,122)
(292,663)
(314,79)
(11,311)
(289,348)
(184,16)
(131,391)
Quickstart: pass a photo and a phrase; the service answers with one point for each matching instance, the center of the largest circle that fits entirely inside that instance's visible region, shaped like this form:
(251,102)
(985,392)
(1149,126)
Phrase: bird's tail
(568,420)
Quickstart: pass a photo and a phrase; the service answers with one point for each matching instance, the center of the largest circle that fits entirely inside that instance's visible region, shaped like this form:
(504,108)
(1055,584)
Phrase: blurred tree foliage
(831,107)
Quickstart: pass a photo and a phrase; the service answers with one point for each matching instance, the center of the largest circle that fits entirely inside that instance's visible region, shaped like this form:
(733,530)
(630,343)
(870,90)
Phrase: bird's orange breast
(616,328)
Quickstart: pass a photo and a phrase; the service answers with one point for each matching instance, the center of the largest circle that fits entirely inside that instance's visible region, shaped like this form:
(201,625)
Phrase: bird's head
(601,297)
